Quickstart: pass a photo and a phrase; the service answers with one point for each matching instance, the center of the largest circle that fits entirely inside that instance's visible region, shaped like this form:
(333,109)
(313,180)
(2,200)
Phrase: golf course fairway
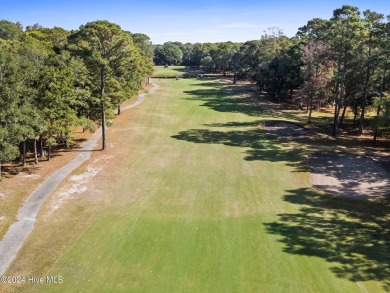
(192,195)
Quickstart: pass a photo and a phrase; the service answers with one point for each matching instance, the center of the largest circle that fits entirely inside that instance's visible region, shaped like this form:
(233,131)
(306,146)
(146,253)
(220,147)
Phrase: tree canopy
(53,80)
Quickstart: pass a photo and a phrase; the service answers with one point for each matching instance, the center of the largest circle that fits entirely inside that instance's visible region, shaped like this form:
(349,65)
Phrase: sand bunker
(349,175)
(285,129)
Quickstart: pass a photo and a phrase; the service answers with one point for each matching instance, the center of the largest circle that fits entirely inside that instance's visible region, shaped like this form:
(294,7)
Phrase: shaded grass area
(260,147)
(353,235)
(199,198)
(224,98)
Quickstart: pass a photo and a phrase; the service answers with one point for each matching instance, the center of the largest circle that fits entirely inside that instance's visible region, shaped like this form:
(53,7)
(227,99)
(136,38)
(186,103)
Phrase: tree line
(53,80)
(343,61)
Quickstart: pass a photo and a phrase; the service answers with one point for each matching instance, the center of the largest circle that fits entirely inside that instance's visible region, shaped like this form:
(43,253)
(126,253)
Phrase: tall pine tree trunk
(119,109)
(365,91)
(41,146)
(24,159)
(35,152)
(336,90)
(338,103)
(343,114)
(364,101)
(103,106)
(361,121)
(49,153)
(0,170)
(378,110)
(355,112)
(311,109)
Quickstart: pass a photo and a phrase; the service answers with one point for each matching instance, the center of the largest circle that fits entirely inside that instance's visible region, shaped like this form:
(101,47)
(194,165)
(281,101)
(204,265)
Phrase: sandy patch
(79,184)
(30,176)
(3,195)
(349,175)
(104,158)
(78,187)
(284,129)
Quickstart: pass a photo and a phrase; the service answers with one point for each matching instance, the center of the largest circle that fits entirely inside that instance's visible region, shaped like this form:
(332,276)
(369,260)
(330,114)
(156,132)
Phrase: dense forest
(53,80)
(343,61)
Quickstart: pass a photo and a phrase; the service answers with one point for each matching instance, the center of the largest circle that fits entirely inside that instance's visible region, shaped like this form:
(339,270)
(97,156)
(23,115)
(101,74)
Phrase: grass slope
(198,198)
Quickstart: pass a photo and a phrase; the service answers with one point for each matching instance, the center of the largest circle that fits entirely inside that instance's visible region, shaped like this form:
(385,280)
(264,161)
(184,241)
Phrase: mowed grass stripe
(176,214)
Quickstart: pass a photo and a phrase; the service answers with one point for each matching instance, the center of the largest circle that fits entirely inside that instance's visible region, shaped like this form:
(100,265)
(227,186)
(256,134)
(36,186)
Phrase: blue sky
(185,20)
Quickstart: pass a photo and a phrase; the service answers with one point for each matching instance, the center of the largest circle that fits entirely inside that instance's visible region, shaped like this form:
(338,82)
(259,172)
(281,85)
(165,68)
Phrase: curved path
(21,229)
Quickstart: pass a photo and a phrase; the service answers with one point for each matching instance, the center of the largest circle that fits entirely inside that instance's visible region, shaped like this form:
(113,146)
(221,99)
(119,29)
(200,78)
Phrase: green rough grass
(173,71)
(203,200)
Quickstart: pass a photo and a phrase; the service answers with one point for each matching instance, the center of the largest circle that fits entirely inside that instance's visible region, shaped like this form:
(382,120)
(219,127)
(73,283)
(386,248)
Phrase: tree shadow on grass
(236,124)
(262,146)
(257,140)
(10,170)
(354,234)
(224,101)
(215,85)
(233,98)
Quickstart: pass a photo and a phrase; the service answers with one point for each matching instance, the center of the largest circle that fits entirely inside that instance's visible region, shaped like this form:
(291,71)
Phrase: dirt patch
(349,175)
(78,184)
(285,129)
(30,176)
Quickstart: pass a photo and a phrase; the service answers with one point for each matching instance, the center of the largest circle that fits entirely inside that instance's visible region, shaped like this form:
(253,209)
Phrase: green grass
(200,199)
(173,71)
